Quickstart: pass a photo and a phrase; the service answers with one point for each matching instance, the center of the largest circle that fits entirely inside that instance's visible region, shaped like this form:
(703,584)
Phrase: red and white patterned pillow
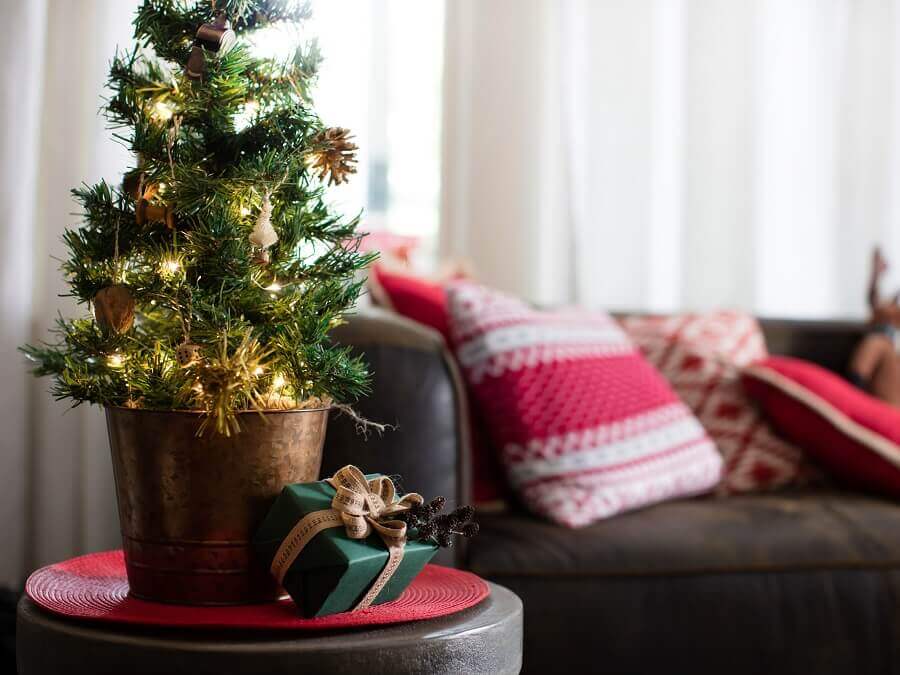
(702,356)
(586,427)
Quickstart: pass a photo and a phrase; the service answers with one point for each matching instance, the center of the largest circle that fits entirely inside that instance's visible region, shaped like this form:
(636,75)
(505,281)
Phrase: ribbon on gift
(360,506)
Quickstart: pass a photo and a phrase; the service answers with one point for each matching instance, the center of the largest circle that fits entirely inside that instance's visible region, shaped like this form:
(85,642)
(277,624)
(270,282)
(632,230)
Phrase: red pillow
(410,296)
(586,426)
(426,302)
(701,355)
(854,435)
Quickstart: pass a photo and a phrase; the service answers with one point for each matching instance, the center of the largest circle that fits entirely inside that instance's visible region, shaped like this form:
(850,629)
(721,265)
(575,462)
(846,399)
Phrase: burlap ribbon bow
(359,506)
(367,505)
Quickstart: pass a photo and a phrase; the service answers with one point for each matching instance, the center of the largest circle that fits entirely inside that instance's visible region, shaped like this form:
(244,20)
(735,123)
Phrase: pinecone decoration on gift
(429,524)
(334,155)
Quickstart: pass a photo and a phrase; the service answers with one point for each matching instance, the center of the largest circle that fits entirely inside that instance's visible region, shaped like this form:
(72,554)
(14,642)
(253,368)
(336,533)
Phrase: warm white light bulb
(245,117)
(258,371)
(170,266)
(162,111)
(278,381)
(115,361)
(274,287)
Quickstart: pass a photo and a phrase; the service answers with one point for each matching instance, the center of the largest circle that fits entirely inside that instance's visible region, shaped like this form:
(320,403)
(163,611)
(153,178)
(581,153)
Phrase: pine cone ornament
(334,156)
(432,525)
(114,309)
(464,514)
(427,531)
(469,529)
(417,515)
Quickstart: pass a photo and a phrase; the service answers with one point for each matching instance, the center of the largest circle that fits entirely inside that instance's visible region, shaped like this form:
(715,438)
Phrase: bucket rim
(198,413)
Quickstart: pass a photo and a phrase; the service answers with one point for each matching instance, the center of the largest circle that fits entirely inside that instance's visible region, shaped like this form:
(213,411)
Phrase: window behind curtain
(381,78)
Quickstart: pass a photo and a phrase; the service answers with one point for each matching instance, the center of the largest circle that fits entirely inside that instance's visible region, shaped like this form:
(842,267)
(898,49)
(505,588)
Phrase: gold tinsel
(226,382)
(334,155)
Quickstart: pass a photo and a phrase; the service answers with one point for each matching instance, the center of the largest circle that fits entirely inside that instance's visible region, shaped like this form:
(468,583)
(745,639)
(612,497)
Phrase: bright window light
(381,78)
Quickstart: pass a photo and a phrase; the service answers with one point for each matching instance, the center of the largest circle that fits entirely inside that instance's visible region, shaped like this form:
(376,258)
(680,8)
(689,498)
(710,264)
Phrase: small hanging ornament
(214,37)
(114,309)
(135,183)
(264,235)
(334,155)
(131,183)
(157,213)
(187,353)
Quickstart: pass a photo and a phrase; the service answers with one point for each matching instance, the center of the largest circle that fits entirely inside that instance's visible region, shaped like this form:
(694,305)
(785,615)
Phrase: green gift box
(333,572)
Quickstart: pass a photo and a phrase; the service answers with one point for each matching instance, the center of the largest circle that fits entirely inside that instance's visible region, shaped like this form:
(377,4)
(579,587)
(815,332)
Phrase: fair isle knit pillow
(586,427)
(702,356)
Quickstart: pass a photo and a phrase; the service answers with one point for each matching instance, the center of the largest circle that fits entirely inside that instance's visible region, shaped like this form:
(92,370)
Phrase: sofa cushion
(854,435)
(701,355)
(411,296)
(699,536)
(586,427)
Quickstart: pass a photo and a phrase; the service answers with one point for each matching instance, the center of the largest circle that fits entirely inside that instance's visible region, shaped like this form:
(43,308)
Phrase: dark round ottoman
(484,639)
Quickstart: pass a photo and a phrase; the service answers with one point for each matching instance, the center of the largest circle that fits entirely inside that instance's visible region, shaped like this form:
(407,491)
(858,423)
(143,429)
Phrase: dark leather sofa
(793,582)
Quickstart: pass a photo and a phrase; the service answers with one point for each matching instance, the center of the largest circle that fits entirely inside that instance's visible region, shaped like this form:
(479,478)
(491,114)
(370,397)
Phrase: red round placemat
(94,587)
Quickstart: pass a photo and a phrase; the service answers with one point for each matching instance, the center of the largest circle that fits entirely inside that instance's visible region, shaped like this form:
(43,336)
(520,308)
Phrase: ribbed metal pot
(189,505)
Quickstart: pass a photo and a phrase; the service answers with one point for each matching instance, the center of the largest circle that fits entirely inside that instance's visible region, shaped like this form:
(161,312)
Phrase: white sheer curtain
(668,154)
(56,489)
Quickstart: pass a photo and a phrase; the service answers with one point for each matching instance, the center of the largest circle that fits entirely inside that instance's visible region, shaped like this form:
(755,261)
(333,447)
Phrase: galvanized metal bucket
(189,505)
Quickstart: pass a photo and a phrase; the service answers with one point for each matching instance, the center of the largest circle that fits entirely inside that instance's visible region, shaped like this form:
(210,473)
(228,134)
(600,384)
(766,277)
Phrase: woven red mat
(94,587)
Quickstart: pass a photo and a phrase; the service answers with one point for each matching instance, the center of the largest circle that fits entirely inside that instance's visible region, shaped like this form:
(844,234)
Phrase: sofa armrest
(417,389)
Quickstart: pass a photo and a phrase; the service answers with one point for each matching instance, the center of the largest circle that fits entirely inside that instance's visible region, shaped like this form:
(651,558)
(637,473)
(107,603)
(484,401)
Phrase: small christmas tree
(217,269)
